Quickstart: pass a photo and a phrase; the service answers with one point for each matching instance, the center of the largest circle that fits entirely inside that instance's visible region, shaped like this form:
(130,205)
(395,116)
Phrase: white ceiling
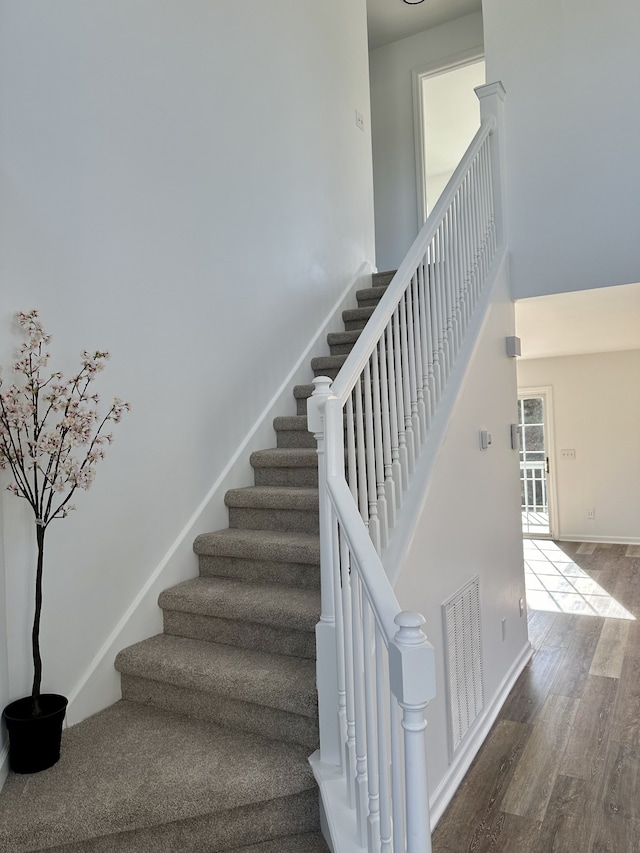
(390,20)
(602,320)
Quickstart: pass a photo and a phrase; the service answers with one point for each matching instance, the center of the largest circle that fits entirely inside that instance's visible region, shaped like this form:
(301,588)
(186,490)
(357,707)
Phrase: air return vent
(463,657)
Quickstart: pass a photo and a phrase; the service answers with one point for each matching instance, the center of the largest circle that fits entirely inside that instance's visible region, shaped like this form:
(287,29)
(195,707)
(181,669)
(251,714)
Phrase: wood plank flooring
(560,769)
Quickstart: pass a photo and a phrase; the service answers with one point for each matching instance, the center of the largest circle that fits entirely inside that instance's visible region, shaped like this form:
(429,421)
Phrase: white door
(535,463)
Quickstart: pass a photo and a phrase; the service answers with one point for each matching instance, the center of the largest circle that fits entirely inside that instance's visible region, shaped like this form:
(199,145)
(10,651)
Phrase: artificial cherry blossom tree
(51,439)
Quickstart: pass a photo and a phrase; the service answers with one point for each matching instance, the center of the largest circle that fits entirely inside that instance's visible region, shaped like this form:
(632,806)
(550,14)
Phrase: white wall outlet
(504,628)
(360,120)
(521,604)
(591,513)
(567,454)
(485,439)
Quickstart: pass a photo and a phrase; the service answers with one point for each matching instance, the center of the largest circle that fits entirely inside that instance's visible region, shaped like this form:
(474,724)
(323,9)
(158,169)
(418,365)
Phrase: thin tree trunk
(35,636)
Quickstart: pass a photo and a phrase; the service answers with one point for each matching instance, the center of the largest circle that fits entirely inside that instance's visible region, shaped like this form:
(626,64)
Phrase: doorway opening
(535,468)
(446,116)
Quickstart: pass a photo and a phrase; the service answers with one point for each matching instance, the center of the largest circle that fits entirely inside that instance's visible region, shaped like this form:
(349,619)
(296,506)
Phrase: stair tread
(273,497)
(261,678)
(260,544)
(131,767)
(289,608)
(371,294)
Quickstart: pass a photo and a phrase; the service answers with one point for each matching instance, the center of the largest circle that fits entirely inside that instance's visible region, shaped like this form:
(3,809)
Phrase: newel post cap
(316,404)
(412,662)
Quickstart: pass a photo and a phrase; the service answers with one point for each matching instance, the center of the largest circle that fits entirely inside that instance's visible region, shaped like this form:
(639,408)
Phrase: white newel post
(412,676)
(326,647)
(491,97)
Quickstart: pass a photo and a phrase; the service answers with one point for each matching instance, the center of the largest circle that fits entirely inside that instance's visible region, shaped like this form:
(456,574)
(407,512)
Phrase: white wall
(185,185)
(394,154)
(596,409)
(470,524)
(572,129)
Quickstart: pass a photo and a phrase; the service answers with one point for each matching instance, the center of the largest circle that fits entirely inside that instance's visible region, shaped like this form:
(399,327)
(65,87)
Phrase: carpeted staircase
(207,750)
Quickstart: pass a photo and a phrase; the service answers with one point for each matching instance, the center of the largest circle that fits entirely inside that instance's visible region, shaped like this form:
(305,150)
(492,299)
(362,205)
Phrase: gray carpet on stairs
(142,779)
(208,750)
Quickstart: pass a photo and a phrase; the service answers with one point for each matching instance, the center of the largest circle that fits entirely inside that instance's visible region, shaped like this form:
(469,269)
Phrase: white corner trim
(4,764)
(365,270)
(338,819)
(442,796)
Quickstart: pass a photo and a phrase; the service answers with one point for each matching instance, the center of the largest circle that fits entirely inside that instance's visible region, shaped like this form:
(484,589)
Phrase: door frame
(432,69)
(546,392)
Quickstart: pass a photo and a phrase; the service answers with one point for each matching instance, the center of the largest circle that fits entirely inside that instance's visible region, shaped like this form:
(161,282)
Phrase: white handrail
(363,347)
(376,669)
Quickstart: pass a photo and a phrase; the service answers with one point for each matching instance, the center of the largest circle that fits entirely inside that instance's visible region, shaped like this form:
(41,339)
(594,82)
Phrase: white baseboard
(440,799)
(604,540)
(99,684)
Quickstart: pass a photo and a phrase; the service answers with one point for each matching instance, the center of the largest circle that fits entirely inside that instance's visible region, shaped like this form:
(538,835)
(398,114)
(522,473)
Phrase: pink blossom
(51,440)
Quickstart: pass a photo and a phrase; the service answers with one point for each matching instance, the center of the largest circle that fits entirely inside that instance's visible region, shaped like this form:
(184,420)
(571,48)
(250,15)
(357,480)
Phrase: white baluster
(417,342)
(406,385)
(384,768)
(398,472)
(397,775)
(359,700)
(363,501)
(350,749)
(396,375)
(373,820)
(387,437)
(413,367)
(340,644)
(424,345)
(351,449)
(372,490)
(379,450)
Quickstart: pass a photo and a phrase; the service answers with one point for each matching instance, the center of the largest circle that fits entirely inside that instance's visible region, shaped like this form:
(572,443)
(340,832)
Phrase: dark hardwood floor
(560,769)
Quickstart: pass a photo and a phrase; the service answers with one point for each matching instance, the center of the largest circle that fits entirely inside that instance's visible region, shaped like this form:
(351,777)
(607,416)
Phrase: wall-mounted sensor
(514,346)
(485,439)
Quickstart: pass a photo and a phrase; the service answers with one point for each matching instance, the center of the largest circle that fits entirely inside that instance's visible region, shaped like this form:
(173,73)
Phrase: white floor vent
(463,658)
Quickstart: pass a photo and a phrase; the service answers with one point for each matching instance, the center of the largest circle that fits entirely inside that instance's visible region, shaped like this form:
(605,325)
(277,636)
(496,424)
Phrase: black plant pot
(34,741)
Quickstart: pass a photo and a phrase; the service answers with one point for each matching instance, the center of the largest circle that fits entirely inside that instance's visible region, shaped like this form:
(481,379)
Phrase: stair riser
(302,406)
(286,520)
(265,638)
(341,349)
(286,476)
(353,325)
(215,832)
(295,438)
(302,575)
(257,719)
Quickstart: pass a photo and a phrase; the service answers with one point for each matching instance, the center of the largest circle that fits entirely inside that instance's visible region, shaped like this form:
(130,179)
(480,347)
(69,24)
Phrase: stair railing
(376,668)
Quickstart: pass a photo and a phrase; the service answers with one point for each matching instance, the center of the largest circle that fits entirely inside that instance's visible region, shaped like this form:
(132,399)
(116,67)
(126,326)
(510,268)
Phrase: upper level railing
(376,670)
